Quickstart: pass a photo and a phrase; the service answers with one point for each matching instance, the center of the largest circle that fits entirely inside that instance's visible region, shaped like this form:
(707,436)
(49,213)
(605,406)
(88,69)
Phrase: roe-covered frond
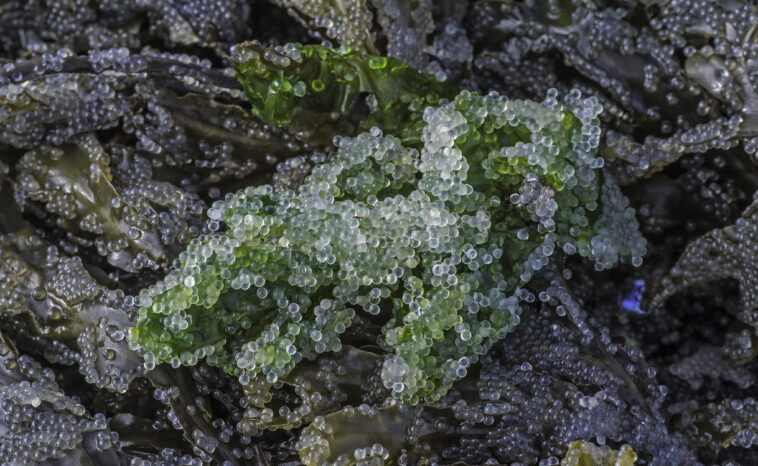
(430,236)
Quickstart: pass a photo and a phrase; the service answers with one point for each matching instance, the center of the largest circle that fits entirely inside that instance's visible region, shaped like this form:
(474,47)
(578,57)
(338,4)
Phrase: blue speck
(631,302)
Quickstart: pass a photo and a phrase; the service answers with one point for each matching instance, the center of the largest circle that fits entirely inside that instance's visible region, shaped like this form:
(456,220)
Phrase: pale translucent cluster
(731,421)
(347,22)
(71,318)
(291,173)
(111,197)
(110,24)
(38,421)
(615,233)
(75,185)
(406,24)
(709,362)
(317,443)
(453,45)
(656,153)
(685,76)
(120,122)
(535,394)
(321,386)
(727,252)
(382,227)
(405,29)
(613,239)
(540,392)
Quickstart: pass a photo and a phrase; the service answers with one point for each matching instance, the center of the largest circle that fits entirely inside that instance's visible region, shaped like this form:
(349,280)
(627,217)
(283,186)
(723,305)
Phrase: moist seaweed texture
(366,232)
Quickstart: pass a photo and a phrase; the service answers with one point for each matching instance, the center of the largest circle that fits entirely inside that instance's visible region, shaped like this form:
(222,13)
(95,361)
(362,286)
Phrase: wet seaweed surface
(366,232)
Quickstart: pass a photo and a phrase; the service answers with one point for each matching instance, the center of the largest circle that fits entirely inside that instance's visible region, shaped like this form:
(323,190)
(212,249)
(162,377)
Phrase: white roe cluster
(433,242)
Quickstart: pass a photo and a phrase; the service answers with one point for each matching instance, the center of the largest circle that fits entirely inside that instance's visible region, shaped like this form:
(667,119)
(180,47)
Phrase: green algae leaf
(582,453)
(312,84)
(370,436)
